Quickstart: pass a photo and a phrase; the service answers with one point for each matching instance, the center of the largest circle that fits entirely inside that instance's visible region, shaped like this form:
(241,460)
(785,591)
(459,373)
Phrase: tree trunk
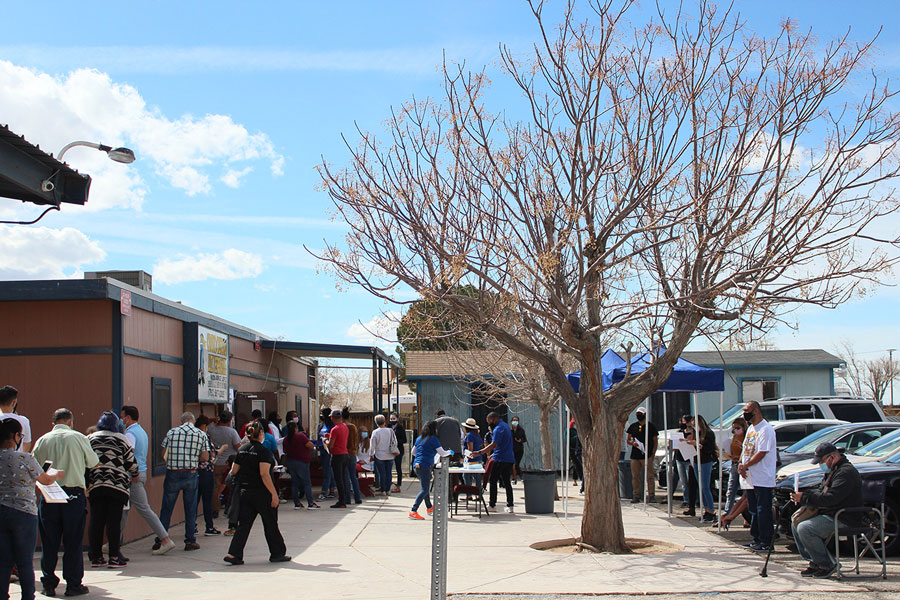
(601,525)
(546,435)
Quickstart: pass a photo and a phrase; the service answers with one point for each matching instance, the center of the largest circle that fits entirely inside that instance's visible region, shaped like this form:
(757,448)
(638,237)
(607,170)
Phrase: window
(770,413)
(311,380)
(799,411)
(791,434)
(855,412)
(161,405)
(859,439)
(759,389)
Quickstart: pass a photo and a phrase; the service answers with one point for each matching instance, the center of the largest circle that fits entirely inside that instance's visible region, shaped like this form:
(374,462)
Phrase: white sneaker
(509,509)
(164,548)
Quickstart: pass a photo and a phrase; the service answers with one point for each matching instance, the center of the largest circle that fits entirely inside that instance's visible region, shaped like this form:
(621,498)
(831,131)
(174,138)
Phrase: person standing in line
(69,451)
(501,450)
(738,431)
(636,439)
(575,451)
(473,443)
(328,481)
(206,481)
(383,450)
(18,508)
(337,446)
(352,448)
(400,434)
(519,441)
(427,446)
(253,469)
(255,415)
(108,488)
(226,439)
(706,455)
(757,472)
(9,403)
(138,500)
(683,466)
(186,447)
(298,455)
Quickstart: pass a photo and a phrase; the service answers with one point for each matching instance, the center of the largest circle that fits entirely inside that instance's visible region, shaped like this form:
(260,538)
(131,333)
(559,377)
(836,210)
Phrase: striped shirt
(184,445)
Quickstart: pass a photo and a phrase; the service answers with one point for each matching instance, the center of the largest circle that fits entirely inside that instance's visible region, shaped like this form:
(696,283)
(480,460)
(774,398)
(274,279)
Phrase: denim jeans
(424,473)
(299,472)
(63,524)
(684,478)
(206,483)
(18,537)
(473,479)
(328,483)
(811,536)
(704,477)
(188,484)
(762,524)
(383,469)
(353,478)
(734,484)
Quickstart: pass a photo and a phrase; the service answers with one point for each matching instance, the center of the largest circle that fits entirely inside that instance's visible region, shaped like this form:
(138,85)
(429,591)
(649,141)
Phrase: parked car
(786,434)
(886,469)
(877,449)
(850,437)
(852,409)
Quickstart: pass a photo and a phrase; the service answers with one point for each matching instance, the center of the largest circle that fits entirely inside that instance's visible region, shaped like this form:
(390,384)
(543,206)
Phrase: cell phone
(47,465)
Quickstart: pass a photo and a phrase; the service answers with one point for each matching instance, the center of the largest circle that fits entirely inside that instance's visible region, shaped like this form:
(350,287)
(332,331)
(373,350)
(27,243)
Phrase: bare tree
(870,378)
(341,387)
(671,179)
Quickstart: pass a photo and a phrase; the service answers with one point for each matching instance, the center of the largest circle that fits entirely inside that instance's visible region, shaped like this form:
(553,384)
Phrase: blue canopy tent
(685,377)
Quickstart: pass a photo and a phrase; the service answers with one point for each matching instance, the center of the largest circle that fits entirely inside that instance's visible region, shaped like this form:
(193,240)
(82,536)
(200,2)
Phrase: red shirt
(339,435)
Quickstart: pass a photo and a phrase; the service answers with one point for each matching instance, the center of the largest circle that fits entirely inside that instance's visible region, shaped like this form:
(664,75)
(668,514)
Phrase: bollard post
(439,529)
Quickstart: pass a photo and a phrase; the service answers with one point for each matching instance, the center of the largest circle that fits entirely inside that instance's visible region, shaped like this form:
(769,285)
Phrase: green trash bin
(540,491)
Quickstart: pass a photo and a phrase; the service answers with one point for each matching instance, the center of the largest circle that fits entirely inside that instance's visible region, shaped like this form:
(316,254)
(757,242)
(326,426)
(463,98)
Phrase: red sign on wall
(256,344)
(125,303)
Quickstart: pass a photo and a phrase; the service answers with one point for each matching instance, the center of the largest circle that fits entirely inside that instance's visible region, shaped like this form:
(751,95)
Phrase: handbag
(394,449)
(804,513)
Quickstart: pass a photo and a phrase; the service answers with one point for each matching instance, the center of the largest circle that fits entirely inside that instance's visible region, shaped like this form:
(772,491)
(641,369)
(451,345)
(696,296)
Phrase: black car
(887,470)
(850,437)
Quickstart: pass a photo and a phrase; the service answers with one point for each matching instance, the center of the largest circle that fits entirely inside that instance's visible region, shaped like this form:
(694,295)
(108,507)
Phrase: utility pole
(891,371)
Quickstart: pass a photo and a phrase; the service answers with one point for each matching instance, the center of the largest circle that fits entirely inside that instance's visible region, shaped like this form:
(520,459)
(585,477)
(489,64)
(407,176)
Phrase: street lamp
(891,371)
(120,155)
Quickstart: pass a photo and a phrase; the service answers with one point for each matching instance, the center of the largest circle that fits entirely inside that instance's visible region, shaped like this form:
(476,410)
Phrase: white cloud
(377,330)
(229,264)
(86,104)
(45,253)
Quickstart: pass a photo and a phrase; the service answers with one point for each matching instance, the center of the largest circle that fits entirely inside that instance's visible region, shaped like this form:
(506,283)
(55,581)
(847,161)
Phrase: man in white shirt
(757,471)
(9,398)
(383,448)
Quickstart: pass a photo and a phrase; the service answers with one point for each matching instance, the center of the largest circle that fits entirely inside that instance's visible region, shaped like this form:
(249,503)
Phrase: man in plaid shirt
(186,447)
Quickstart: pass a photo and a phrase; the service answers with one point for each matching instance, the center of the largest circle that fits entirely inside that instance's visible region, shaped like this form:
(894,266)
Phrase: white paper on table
(687,451)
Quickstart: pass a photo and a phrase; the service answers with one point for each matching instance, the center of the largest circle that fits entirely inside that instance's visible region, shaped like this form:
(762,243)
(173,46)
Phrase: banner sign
(205,365)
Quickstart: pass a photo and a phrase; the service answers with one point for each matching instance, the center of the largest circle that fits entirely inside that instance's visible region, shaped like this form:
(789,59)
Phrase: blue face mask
(365,434)
(824,467)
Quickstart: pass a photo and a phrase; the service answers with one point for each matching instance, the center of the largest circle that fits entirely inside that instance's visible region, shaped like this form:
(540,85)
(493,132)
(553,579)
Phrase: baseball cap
(823,450)
(336,412)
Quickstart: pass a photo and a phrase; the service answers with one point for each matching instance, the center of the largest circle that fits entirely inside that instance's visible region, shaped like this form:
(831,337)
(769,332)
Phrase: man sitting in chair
(840,488)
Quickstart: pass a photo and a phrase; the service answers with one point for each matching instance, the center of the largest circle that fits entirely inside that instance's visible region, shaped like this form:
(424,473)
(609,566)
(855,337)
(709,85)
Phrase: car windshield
(883,446)
(809,443)
(728,418)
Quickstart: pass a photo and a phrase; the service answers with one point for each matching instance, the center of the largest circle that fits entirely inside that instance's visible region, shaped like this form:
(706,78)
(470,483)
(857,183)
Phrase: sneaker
(212,531)
(338,505)
(123,557)
(77,590)
(331,495)
(635,500)
(651,500)
(761,548)
(282,501)
(313,506)
(188,546)
(689,513)
(357,501)
(509,509)
(395,489)
(163,548)
(232,560)
(116,563)
(809,571)
(825,573)
(98,562)
(279,559)
(230,531)
(430,510)
(708,518)
(298,507)
(322,497)
(48,591)
(416,516)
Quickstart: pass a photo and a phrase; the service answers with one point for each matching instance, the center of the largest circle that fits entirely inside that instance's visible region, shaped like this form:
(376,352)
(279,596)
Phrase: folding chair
(868,532)
(471,490)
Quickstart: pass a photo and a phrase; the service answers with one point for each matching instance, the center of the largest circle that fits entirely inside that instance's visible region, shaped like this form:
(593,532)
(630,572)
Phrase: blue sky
(229,107)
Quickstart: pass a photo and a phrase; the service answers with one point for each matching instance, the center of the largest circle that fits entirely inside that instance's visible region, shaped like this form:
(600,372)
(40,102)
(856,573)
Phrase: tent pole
(568,459)
(698,464)
(668,458)
(563,476)
(647,457)
(721,474)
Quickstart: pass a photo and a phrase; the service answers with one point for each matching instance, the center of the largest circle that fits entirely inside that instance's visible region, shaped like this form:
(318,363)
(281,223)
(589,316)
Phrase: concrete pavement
(375,551)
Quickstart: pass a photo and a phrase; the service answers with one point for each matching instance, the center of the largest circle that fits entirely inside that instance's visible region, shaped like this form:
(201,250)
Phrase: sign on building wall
(205,364)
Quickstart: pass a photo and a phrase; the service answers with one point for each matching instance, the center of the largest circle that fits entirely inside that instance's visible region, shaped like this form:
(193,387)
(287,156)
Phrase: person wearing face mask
(519,441)
(738,432)
(9,401)
(841,487)
(636,433)
(400,433)
(757,473)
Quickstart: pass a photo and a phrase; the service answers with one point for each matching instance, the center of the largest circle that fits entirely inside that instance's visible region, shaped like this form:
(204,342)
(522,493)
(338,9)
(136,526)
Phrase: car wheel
(891,528)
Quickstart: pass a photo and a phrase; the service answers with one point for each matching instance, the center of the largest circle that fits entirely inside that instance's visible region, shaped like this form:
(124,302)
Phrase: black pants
(252,503)
(62,524)
(518,453)
(106,514)
(398,462)
(339,468)
(205,495)
(501,471)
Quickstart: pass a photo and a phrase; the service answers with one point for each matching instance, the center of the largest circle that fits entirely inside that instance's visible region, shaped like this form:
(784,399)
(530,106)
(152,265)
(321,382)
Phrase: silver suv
(852,409)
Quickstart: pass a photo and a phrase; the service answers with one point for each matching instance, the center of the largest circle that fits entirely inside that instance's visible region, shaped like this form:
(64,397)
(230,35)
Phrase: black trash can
(625,490)
(540,491)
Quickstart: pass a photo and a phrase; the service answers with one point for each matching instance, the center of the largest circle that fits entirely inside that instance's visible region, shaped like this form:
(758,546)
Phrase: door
(246,402)
(484,402)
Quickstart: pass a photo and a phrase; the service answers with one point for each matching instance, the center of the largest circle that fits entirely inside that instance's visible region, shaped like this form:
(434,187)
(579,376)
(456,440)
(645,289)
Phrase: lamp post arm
(79,143)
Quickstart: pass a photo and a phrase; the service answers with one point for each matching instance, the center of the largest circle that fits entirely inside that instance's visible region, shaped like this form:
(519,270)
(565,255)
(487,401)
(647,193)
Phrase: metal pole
(669,490)
(374,378)
(439,530)
(563,476)
(721,474)
(647,457)
(891,371)
(568,461)
(699,466)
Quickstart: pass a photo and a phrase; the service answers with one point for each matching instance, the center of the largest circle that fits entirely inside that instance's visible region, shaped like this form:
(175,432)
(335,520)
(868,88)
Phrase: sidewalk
(375,551)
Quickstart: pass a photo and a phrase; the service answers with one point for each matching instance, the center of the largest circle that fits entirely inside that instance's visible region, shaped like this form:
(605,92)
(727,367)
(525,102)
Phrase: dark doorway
(161,421)
(677,404)
(486,399)
(245,402)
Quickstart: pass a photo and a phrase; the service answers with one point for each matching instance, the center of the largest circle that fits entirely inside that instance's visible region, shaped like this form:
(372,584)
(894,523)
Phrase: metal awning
(29,174)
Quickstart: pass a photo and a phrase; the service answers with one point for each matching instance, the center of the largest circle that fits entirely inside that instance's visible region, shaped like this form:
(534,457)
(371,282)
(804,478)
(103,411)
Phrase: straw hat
(470,424)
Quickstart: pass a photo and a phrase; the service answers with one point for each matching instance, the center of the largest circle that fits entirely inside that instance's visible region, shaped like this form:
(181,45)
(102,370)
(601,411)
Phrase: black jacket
(840,488)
